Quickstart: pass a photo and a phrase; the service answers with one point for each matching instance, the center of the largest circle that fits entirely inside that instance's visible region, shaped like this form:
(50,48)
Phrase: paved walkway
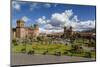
(24,59)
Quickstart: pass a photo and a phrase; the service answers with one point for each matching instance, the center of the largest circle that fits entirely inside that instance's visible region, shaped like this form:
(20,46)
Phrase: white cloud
(87,24)
(34,6)
(48,26)
(66,18)
(42,30)
(44,17)
(16,5)
(25,18)
(47,5)
(61,19)
(75,19)
(42,20)
(68,13)
(83,25)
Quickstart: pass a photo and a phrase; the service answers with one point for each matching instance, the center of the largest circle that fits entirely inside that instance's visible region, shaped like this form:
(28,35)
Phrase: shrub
(65,52)
(45,52)
(66,44)
(31,52)
(15,42)
(87,54)
(23,50)
(69,53)
(57,54)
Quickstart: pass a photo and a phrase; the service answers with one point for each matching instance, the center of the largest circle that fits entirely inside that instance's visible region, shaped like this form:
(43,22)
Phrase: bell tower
(65,29)
(20,29)
(20,23)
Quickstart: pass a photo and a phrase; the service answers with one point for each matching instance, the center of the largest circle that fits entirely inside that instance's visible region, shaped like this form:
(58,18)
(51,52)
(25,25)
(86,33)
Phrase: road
(24,59)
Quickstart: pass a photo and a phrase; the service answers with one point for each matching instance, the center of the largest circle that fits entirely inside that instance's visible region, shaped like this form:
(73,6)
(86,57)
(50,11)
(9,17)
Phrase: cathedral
(68,32)
(20,31)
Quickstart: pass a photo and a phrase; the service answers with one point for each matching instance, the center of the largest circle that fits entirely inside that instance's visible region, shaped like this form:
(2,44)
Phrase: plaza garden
(80,47)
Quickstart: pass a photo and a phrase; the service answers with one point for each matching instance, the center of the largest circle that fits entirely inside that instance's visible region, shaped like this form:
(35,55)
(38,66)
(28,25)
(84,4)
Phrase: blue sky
(49,14)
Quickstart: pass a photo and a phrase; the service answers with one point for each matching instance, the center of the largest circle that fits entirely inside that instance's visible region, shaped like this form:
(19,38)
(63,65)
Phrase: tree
(14,42)
(88,55)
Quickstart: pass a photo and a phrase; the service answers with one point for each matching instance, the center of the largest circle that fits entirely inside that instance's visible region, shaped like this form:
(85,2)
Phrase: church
(20,31)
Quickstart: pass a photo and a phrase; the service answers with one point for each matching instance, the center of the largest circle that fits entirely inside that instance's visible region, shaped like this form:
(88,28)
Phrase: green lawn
(41,48)
(51,48)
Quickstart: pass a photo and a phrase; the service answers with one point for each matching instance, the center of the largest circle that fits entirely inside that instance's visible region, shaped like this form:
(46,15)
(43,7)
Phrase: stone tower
(70,28)
(36,30)
(20,29)
(65,30)
(68,32)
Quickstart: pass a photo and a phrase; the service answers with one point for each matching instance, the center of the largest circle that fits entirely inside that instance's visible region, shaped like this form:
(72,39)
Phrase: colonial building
(68,31)
(21,31)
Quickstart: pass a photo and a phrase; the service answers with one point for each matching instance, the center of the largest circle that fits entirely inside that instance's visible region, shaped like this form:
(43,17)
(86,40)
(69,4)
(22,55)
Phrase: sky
(52,17)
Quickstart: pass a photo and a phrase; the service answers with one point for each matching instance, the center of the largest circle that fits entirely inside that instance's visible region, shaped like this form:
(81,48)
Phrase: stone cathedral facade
(20,31)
